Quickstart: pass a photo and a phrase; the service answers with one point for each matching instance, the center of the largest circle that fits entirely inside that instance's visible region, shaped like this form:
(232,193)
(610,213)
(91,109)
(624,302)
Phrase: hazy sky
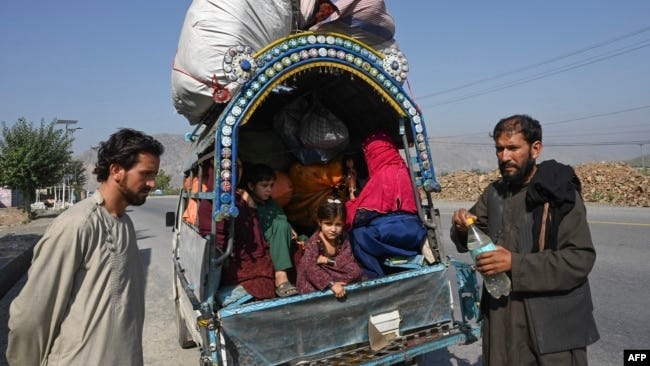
(581,67)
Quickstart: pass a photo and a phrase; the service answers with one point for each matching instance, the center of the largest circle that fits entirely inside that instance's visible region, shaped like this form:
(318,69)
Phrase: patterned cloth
(367,20)
(250,262)
(313,276)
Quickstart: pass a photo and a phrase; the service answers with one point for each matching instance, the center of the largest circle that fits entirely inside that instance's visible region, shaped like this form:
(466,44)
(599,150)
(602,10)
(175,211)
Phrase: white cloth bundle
(211,28)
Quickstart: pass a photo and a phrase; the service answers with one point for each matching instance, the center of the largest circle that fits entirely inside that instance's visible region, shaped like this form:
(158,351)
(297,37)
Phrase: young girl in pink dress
(328,262)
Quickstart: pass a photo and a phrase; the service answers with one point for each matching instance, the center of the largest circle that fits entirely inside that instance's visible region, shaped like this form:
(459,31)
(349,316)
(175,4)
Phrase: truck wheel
(184,337)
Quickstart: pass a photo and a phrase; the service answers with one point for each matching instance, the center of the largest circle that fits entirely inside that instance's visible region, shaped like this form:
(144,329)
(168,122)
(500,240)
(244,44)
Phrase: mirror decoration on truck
(239,64)
(385,71)
(395,64)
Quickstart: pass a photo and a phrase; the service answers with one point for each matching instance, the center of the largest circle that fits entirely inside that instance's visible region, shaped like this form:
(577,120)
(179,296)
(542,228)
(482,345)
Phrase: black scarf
(556,184)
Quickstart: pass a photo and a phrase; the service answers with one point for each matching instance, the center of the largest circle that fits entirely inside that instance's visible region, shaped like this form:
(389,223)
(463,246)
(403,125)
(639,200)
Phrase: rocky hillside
(610,183)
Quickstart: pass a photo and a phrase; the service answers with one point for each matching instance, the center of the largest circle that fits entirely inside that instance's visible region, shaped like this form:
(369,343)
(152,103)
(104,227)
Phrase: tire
(184,336)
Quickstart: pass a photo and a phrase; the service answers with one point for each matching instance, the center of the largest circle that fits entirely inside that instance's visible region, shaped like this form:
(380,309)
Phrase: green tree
(32,158)
(76,174)
(162,180)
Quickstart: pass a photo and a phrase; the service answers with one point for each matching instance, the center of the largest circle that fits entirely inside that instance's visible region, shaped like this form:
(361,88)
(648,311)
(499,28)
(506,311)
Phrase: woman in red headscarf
(383,219)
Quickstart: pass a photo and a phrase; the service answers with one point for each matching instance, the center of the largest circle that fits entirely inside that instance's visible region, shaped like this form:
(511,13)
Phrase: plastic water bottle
(478,242)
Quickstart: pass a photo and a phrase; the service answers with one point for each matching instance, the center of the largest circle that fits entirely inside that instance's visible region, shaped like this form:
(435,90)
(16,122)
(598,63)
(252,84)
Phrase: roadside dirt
(11,216)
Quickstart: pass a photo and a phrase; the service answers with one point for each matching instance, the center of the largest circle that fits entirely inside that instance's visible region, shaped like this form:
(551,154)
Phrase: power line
(604,114)
(621,125)
(618,132)
(544,74)
(603,143)
(580,130)
(532,66)
(597,115)
(566,144)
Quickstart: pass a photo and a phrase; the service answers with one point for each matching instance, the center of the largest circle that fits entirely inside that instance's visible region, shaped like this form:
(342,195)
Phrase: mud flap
(382,328)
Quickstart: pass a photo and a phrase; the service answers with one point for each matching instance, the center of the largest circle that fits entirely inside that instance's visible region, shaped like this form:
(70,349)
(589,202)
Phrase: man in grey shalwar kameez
(83,302)
(537,218)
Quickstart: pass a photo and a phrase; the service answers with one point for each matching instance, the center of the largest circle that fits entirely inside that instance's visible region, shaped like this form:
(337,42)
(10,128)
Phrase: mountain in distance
(450,156)
(447,158)
(171,161)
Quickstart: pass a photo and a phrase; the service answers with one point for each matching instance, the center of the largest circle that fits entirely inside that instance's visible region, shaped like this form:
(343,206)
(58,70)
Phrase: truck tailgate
(317,324)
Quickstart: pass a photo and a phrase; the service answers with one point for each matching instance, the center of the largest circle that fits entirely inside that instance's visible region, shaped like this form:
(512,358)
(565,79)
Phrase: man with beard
(536,218)
(83,302)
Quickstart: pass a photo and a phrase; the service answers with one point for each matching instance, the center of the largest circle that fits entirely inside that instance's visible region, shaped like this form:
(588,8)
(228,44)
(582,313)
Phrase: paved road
(621,237)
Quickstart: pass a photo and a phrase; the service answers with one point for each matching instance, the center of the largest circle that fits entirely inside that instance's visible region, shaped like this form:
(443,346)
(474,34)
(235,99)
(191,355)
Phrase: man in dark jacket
(536,218)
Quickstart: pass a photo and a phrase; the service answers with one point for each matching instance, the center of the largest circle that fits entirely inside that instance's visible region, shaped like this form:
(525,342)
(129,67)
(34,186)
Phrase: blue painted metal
(468,290)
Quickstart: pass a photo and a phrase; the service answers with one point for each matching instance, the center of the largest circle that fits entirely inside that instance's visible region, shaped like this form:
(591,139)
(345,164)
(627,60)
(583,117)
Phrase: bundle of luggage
(218,40)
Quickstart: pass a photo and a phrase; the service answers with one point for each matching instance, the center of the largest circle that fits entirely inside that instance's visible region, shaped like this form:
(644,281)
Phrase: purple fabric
(313,276)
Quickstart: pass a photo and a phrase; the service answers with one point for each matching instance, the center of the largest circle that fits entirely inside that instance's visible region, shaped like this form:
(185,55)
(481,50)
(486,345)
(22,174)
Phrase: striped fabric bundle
(365,20)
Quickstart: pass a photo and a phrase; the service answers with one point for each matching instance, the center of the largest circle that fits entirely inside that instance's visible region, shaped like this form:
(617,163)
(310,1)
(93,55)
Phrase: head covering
(389,187)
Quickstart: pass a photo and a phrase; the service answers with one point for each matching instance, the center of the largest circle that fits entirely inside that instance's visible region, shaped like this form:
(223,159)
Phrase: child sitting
(328,261)
(250,263)
(258,182)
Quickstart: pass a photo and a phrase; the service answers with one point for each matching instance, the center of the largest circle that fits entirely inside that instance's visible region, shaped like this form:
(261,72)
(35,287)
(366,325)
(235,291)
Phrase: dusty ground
(17,237)
(12,216)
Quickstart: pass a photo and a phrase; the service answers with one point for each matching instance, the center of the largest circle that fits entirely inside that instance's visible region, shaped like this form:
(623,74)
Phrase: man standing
(537,219)
(83,302)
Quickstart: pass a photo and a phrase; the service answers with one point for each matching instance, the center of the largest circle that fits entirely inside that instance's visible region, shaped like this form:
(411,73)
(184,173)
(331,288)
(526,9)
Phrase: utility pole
(67,122)
(642,159)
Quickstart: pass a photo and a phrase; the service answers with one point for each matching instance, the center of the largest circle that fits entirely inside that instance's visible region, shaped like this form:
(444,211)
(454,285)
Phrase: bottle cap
(469,221)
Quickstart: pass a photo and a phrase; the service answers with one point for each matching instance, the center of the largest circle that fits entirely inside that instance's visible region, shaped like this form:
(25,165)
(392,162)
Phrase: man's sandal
(286,289)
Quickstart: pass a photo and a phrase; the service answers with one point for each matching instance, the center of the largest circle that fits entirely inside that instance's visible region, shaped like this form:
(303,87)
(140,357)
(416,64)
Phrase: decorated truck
(297,86)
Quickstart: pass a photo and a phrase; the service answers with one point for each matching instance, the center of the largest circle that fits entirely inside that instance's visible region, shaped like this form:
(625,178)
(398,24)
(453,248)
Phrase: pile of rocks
(606,182)
(464,185)
(614,183)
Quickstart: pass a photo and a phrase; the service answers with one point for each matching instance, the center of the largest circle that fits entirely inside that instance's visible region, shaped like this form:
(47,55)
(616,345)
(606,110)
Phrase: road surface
(621,236)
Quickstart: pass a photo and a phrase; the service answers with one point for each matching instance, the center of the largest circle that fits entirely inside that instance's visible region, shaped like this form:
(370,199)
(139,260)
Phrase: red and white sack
(213,33)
